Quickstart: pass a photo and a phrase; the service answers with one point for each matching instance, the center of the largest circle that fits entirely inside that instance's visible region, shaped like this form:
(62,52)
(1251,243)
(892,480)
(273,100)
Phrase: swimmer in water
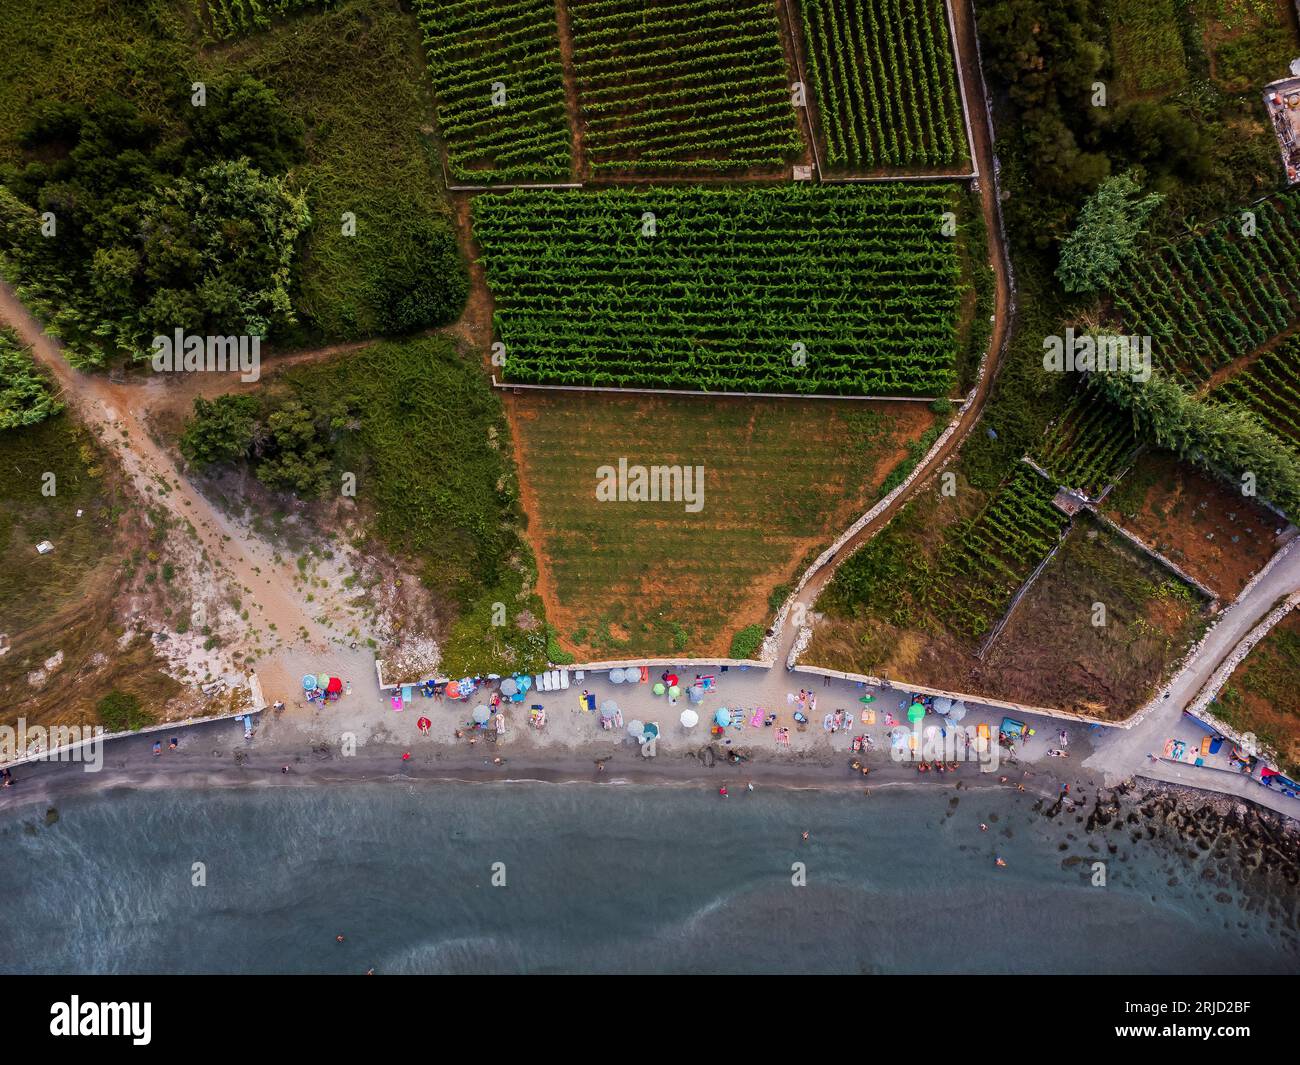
(805,835)
(983,827)
(1000,862)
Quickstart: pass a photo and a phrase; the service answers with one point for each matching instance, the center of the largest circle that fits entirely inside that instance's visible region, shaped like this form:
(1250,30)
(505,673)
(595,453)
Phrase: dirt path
(114,412)
(982,132)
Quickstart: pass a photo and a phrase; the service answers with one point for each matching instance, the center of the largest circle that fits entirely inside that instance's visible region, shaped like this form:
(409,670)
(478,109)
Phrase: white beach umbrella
(690,719)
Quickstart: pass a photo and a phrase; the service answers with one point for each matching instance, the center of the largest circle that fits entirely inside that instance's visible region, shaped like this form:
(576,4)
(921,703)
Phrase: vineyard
(497,76)
(885,83)
(682,85)
(1219,295)
(1088,445)
(233,18)
(988,558)
(789,288)
(1270,387)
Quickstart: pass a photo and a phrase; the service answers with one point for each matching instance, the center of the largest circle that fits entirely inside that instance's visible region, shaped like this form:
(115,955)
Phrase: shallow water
(608,878)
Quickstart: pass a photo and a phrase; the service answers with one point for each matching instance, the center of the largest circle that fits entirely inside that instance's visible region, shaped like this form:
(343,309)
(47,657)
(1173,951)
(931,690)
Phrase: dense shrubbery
(25,397)
(118,229)
(294,446)
(122,712)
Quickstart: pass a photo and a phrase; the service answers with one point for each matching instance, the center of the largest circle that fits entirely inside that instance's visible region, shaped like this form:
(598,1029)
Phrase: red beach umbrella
(335,685)
(672,679)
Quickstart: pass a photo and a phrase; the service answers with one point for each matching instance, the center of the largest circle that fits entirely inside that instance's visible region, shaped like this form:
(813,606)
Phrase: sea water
(522,877)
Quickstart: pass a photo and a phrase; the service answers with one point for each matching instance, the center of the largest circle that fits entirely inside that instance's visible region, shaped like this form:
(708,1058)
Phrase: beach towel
(645,674)
(756,719)
(397,702)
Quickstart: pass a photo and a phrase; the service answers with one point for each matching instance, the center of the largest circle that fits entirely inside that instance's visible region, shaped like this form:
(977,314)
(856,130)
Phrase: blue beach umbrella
(723,716)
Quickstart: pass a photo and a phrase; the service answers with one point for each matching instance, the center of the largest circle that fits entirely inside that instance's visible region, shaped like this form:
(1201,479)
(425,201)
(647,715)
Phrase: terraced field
(500,91)
(991,556)
(885,83)
(789,288)
(1270,386)
(1088,446)
(1219,295)
(682,85)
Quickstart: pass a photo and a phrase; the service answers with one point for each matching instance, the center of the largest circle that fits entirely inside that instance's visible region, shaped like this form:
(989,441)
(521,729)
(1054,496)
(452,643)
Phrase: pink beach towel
(397,702)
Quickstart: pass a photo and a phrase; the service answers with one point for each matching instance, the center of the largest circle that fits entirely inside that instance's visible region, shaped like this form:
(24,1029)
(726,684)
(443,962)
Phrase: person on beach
(723,791)
(173,744)
(157,748)
(284,769)
(8,778)
(278,705)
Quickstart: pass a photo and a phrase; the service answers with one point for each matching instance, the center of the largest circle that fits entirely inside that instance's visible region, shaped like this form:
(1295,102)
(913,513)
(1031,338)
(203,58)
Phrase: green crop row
(885,83)
(789,288)
(684,86)
(497,78)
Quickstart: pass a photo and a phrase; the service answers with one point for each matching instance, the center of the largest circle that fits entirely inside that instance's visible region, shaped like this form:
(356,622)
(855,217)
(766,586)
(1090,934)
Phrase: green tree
(300,452)
(221,430)
(1106,234)
(1224,439)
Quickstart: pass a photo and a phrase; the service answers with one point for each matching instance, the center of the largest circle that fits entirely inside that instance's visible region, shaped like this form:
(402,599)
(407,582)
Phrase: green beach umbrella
(866,699)
(658,688)
(915,712)
(674,691)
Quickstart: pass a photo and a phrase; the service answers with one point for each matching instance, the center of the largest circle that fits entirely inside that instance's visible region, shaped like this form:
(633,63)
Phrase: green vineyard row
(791,288)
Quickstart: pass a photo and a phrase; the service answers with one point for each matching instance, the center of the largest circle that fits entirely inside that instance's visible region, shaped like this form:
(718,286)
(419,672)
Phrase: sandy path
(114,412)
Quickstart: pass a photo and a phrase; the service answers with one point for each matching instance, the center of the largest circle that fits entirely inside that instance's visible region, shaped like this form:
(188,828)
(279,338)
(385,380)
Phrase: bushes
(122,712)
(221,429)
(24,393)
(423,282)
(746,643)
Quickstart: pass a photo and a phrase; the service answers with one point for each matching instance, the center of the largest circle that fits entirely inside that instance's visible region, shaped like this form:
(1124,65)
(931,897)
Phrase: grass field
(885,83)
(496,72)
(1147,47)
(66,602)
(781,480)
(1260,696)
(682,86)
(434,472)
(830,289)
(233,18)
(366,154)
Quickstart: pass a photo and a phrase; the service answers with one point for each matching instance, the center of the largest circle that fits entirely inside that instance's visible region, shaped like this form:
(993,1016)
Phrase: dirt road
(114,412)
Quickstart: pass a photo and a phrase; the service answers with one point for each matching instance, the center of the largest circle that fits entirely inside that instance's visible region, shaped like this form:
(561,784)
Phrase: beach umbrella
(942,705)
(957,711)
(309,682)
(651,731)
(481,715)
(453,690)
(674,691)
(616,676)
(525,682)
(915,712)
(334,686)
(695,695)
(671,679)
(689,719)
(509,686)
(635,728)
(608,708)
(868,698)
(723,716)
(658,688)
